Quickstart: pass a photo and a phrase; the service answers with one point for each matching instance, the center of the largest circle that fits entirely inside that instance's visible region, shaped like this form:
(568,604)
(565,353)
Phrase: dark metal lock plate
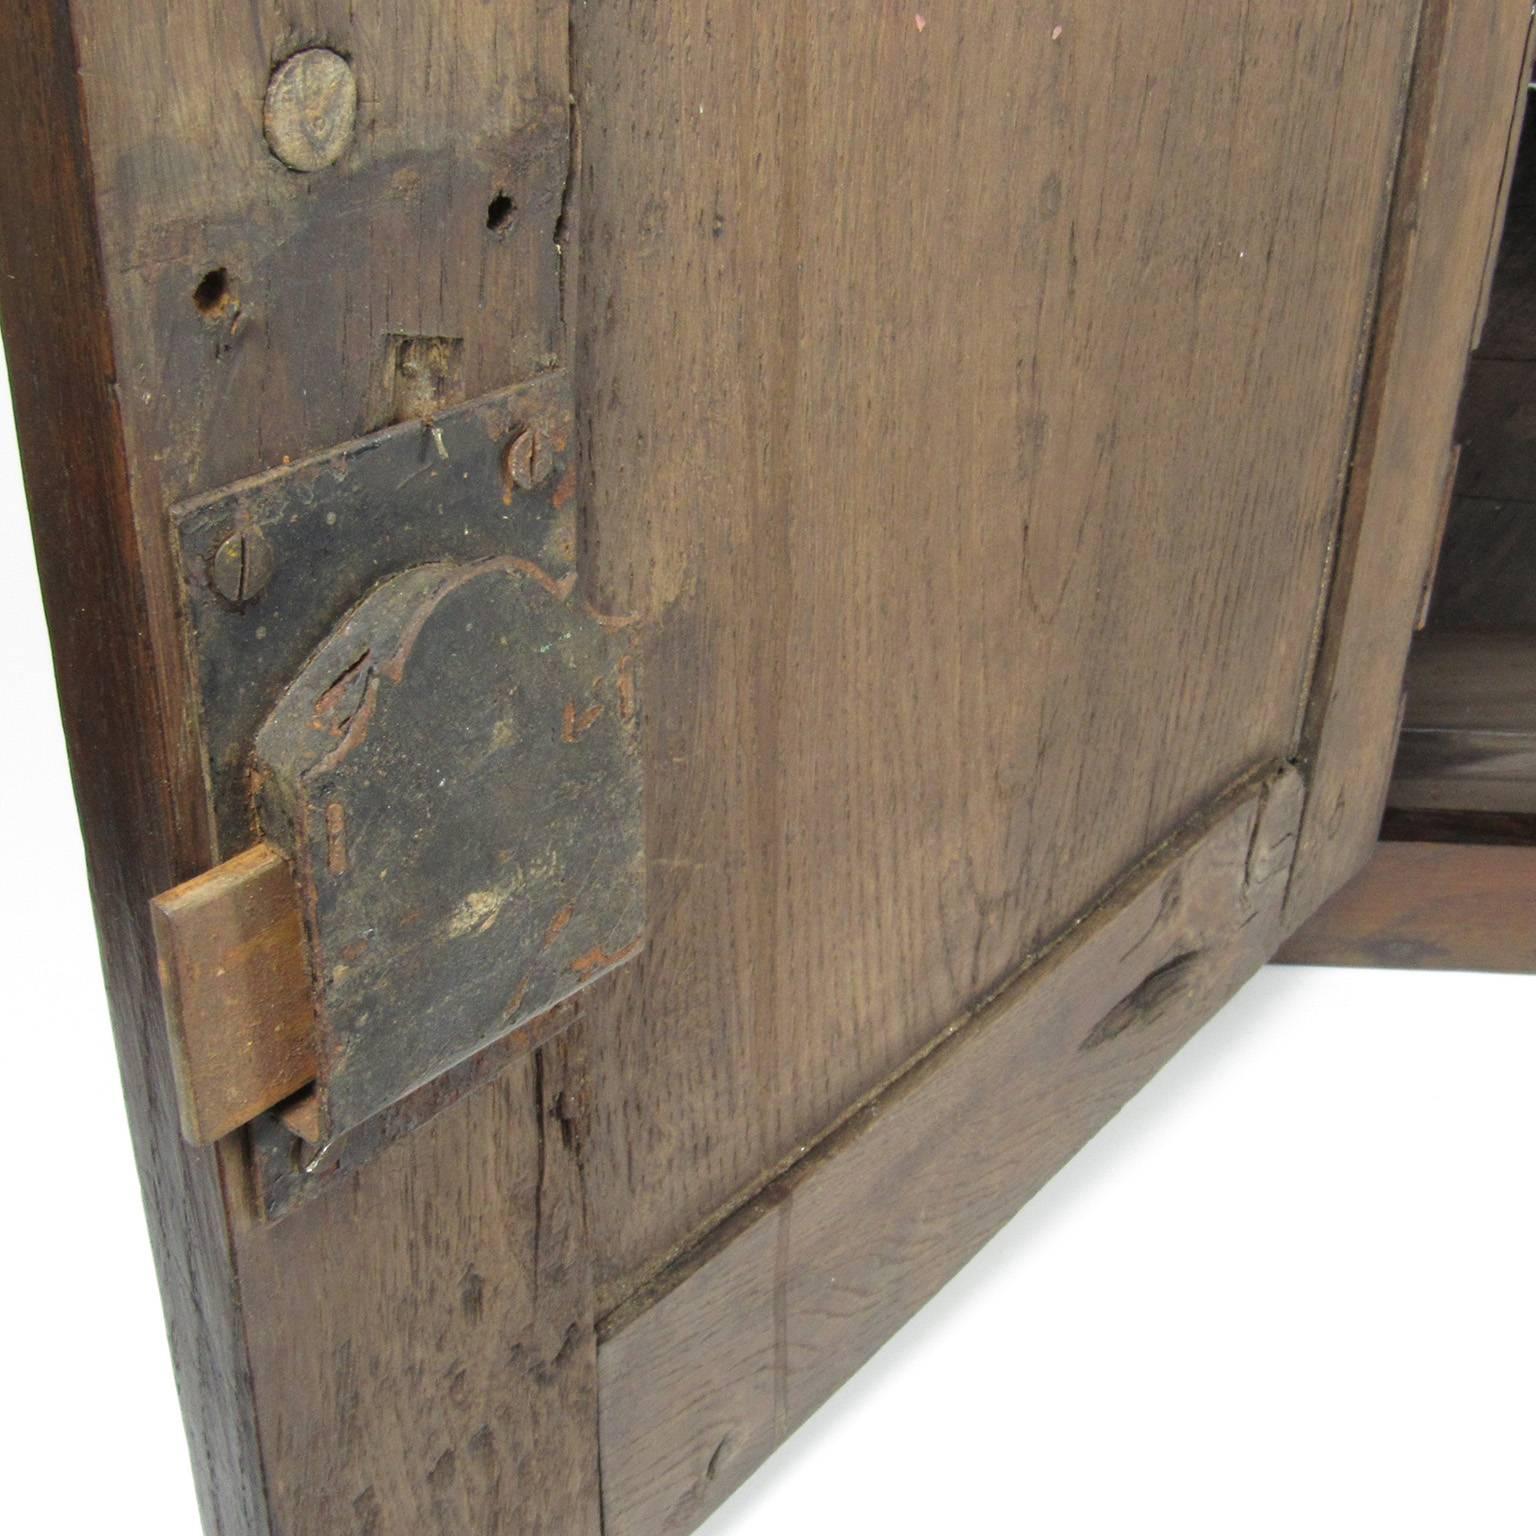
(454,775)
(273,564)
(403,695)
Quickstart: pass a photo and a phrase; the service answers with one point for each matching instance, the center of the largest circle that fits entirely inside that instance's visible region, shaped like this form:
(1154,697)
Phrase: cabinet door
(972,471)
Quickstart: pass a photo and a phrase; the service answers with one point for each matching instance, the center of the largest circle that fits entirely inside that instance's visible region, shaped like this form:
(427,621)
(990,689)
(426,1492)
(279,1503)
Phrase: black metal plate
(447,751)
(454,776)
(333,526)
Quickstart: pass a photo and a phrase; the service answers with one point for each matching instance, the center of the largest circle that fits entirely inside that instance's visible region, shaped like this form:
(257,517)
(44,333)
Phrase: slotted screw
(242,566)
(528,460)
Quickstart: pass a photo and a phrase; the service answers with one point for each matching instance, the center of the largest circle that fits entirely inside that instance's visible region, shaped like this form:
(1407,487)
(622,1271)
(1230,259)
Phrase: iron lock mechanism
(423,745)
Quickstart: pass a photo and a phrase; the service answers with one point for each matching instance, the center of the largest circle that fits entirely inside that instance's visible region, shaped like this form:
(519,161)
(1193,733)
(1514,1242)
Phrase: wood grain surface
(1466,106)
(424,1355)
(703,1375)
(1429,905)
(181,309)
(142,809)
(967,411)
(1468,741)
(237,992)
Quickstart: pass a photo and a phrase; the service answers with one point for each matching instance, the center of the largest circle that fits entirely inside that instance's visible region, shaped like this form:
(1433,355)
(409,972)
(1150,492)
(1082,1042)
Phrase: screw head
(311,108)
(242,566)
(527,461)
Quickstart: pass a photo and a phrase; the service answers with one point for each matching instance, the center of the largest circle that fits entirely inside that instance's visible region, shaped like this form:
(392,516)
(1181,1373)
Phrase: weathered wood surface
(136,783)
(237,991)
(704,1374)
(423,1352)
(1467,102)
(181,310)
(967,410)
(318,278)
(1429,905)
(283,1177)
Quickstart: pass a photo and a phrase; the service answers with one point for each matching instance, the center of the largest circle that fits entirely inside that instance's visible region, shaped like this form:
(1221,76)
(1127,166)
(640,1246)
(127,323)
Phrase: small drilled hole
(499,216)
(212,296)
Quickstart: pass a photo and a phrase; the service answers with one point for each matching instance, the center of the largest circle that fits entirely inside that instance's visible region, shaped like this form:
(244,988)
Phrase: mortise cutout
(500,214)
(428,376)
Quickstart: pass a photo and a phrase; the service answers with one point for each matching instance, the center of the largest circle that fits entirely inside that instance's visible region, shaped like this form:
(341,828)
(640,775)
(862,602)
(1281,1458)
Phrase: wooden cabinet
(1453,883)
(981,465)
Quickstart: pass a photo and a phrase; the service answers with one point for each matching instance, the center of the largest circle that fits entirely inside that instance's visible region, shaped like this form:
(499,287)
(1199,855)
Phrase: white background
(1290,1289)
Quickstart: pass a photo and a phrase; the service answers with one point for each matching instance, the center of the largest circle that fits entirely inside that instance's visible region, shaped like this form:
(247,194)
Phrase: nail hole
(499,216)
(212,295)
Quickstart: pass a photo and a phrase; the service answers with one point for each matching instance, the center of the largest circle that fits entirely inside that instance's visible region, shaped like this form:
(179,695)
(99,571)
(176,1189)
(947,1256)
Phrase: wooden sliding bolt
(237,995)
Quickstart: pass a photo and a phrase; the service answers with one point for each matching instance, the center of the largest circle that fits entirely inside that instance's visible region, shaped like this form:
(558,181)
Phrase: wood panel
(1467,103)
(319,277)
(141,810)
(138,175)
(423,1347)
(955,397)
(1429,905)
(743,1339)
(1469,728)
